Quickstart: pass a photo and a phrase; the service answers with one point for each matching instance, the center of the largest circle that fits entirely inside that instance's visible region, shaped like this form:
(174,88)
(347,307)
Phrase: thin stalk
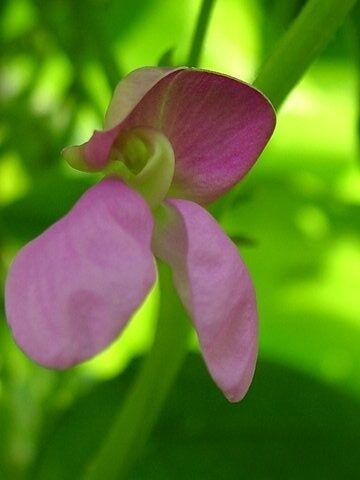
(299,47)
(200,32)
(142,406)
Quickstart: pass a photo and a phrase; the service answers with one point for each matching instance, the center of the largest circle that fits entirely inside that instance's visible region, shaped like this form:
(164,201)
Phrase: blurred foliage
(200,433)
(296,218)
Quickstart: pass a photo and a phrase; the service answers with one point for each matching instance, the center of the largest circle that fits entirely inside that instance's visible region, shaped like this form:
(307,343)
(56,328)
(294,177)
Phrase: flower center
(134,152)
(144,159)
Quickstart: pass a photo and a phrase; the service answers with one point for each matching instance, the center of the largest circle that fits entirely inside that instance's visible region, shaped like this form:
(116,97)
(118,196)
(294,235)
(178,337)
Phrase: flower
(174,140)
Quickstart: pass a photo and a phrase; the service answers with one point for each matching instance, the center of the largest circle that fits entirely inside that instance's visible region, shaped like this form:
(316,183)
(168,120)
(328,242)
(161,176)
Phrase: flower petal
(71,291)
(94,154)
(216,289)
(130,91)
(217,126)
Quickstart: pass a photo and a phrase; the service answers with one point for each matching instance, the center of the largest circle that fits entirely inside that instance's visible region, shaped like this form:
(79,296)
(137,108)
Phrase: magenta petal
(216,289)
(131,90)
(217,126)
(71,291)
(94,155)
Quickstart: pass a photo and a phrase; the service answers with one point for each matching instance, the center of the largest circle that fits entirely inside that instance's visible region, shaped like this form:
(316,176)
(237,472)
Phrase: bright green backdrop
(296,219)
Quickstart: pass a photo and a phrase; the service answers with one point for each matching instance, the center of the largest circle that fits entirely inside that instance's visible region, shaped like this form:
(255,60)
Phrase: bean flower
(174,140)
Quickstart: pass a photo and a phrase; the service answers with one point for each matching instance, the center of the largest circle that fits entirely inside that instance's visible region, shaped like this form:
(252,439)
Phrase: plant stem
(200,32)
(299,47)
(142,406)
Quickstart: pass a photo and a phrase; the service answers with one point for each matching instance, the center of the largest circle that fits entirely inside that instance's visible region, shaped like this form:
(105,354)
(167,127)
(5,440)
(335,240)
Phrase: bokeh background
(296,219)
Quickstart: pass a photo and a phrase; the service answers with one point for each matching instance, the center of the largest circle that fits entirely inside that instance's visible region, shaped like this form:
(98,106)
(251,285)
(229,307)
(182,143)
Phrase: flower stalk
(143,404)
(306,38)
(200,32)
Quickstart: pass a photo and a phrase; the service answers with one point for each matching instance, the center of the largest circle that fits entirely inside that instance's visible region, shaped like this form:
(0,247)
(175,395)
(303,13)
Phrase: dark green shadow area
(51,197)
(288,427)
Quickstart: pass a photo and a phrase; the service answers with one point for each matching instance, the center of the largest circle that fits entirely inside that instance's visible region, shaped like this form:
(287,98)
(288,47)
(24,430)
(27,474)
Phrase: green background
(296,219)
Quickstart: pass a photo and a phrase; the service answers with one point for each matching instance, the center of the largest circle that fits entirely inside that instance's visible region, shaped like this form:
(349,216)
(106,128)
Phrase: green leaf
(78,432)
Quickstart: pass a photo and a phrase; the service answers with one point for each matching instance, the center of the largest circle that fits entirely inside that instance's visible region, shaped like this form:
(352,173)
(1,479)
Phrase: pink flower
(174,139)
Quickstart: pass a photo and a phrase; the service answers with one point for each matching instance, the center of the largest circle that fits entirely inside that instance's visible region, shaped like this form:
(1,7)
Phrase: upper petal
(217,126)
(94,154)
(216,289)
(71,291)
(130,91)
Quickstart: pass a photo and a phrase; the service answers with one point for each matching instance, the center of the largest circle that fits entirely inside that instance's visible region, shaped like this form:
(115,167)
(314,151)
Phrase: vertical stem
(282,13)
(142,406)
(200,32)
(301,44)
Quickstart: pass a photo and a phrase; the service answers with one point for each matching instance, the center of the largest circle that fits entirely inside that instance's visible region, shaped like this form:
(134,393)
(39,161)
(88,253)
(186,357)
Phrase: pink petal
(94,154)
(71,291)
(217,126)
(130,91)
(216,289)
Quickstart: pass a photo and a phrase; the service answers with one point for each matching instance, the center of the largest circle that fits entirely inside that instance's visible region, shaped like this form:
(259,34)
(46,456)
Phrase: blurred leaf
(288,427)
(35,154)
(77,434)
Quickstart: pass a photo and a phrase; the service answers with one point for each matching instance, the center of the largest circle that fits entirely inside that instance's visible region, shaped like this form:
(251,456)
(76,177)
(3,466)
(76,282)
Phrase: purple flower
(174,139)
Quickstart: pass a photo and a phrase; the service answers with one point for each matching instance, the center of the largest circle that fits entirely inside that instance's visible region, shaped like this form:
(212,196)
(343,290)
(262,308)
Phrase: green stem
(143,404)
(200,32)
(301,44)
